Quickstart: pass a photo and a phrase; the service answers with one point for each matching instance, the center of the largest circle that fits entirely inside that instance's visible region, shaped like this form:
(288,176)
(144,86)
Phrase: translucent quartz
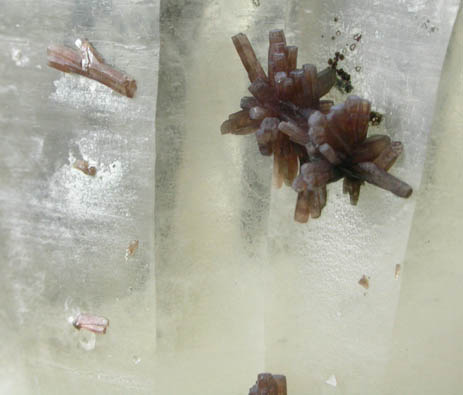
(238,287)
(77,185)
(318,321)
(210,219)
(426,353)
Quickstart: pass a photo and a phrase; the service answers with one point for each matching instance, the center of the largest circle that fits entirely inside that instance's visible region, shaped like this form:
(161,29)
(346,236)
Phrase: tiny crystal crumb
(132,248)
(84,167)
(397,271)
(375,118)
(364,282)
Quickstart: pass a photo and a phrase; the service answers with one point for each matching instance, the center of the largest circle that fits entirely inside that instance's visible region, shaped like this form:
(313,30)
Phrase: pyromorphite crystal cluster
(313,141)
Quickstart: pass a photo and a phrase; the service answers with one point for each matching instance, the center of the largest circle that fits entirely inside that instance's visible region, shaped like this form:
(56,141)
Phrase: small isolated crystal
(268,384)
(83,166)
(89,63)
(92,323)
(313,141)
(132,248)
(364,282)
(397,271)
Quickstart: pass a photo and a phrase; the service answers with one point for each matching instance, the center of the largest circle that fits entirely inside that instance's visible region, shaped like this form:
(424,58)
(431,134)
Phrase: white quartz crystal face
(321,318)
(64,233)
(427,325)
(308,306)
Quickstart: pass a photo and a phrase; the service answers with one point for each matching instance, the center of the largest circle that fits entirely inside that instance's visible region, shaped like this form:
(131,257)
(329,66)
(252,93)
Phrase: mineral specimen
(131,249)
(313,141)
(364,282)
(84,167)
(92,323)
(89,63)
(268,384)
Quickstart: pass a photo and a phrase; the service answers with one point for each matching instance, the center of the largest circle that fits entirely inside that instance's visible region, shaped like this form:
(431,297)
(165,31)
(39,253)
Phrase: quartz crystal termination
(313,141)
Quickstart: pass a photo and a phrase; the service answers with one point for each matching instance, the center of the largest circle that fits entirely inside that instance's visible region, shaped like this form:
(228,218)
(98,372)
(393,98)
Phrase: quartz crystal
(224,284)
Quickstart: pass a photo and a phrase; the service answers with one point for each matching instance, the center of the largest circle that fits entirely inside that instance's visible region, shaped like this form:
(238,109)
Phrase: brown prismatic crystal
(132,248)
(83,166)
(313,141)
(92,323)
(268,384)
(364,282)
(89,63)
(248,57)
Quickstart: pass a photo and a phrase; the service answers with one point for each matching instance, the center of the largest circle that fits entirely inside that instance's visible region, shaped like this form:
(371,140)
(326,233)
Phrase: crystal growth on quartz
(92,323)
(313,141)
(269,384)
(89,63)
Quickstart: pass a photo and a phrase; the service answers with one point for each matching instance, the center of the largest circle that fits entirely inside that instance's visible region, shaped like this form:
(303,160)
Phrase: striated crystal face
(193,277)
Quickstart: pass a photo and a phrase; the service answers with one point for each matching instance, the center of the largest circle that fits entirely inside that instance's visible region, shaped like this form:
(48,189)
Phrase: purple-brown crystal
(292,57)
(267,135)
(84,167)
(248,57)
(370,149)
(90,322)
(302,212)
(268,384)
(89,63)
(294,132)
(313,141)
